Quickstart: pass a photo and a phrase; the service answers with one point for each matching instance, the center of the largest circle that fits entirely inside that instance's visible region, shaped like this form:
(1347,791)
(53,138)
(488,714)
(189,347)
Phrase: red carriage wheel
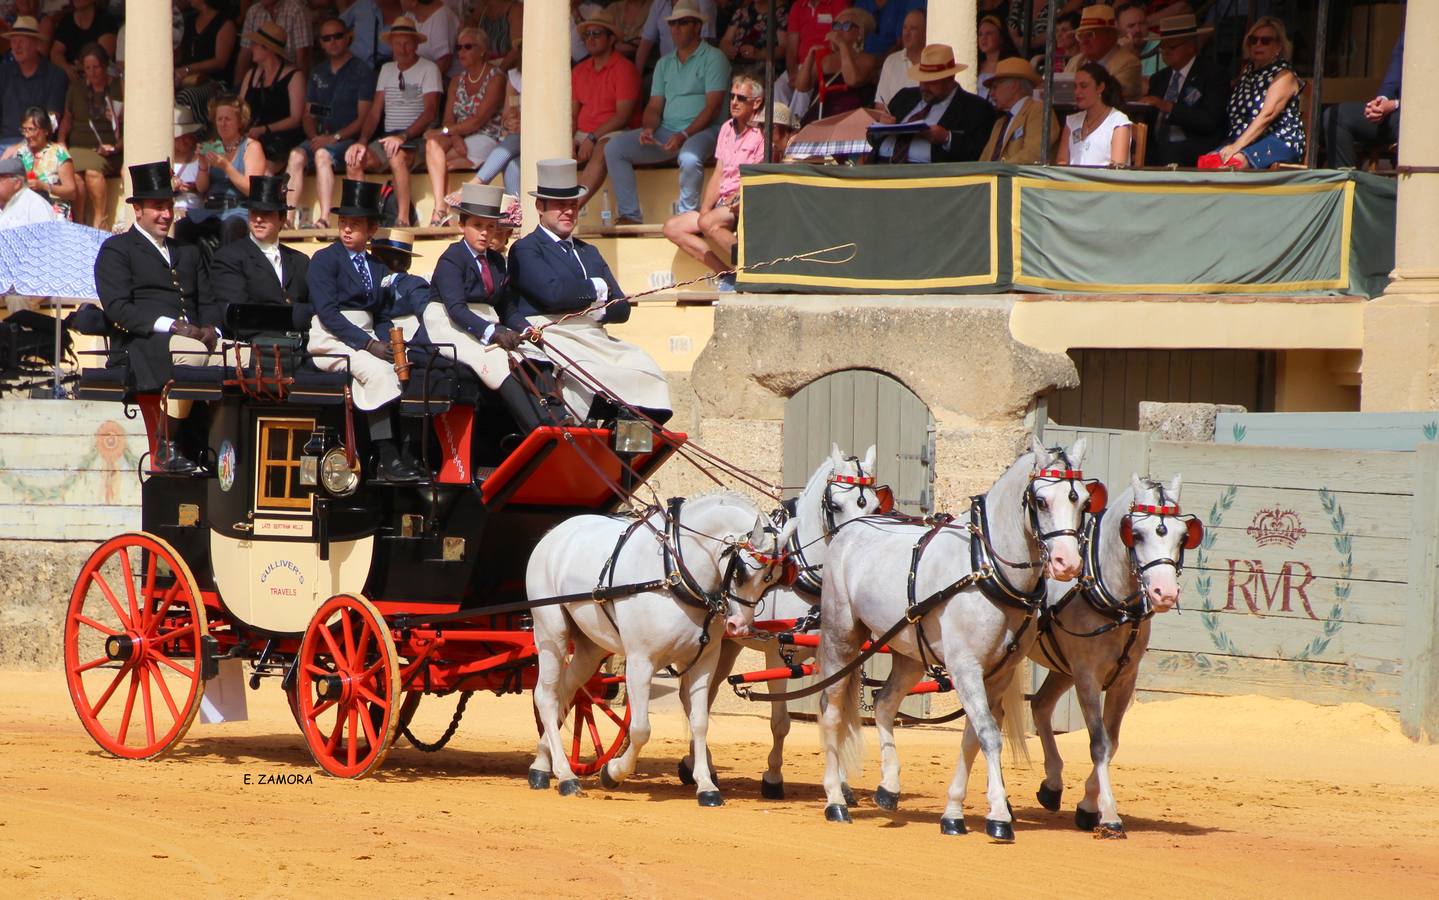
(134,647)
(347,687)
(597,733)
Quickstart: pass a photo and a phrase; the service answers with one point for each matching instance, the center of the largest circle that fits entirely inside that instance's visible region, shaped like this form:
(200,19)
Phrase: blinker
(885,494)
(1193,534)
(1126,532)
(1098,497)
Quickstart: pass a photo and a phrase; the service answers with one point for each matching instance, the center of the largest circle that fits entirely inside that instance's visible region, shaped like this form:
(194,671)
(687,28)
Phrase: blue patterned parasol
(50,259)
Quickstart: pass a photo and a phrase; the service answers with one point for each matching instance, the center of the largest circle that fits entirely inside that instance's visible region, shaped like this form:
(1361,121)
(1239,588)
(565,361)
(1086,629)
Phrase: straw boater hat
(25,26)
(604,19)
(687,9)
(936,63)
(1013,67)
(403,26)
(1097,17)
(272,35)
(783,117)
(185,122)
(483,200)
(558,179)
(1179,27)
(396,240)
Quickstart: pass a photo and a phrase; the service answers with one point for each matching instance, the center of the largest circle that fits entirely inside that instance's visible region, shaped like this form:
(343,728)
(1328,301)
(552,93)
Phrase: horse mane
(724,497)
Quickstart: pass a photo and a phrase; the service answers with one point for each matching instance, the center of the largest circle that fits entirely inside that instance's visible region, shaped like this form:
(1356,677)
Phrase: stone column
(545,107)
(953,22)
(149,87)
(1401,328)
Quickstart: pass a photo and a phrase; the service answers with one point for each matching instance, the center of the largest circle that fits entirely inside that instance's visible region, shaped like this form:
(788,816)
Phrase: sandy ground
(1222,797)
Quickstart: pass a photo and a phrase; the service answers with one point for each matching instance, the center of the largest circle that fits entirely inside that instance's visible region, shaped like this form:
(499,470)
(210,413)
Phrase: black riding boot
(394,466)
(169,454)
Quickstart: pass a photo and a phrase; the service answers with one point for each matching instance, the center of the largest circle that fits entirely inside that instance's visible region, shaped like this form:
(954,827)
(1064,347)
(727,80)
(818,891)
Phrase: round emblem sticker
(227,465)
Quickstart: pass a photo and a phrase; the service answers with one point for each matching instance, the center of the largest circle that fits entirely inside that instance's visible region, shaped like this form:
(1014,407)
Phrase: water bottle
(605,217)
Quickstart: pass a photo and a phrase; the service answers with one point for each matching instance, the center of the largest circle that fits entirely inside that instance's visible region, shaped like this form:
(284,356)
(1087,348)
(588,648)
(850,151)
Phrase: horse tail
(1011,704)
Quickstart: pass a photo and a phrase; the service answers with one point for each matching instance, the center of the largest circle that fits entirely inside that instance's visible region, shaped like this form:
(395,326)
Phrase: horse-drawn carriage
(359,597)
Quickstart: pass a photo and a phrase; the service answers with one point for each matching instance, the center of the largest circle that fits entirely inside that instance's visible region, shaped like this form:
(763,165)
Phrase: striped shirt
(405,92)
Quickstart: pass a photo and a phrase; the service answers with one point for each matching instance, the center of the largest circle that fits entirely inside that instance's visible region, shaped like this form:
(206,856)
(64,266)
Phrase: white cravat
(272,253)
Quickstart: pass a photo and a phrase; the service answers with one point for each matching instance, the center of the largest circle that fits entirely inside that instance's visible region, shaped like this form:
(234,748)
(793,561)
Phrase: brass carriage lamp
(310,455)
(633,437)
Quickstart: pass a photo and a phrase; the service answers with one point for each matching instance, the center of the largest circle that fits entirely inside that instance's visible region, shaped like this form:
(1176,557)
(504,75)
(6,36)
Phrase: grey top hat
(557,179)
(484,200)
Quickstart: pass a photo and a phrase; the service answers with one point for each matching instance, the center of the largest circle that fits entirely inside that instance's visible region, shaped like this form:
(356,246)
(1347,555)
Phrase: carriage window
(277,483)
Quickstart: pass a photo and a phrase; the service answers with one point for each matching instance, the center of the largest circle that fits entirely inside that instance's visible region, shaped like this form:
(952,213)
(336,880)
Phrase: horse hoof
(887,800)
(687,775)
(606,780)
(1085,820)
(771,790)
(539,781)
(1003,832)
(848,792)
(1049,799)
(570,787)
(952,826)
(710,798)
(837,813)
(1111,831)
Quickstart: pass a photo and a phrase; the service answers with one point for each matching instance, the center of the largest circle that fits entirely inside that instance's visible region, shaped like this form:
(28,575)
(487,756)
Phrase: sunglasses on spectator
(466,46)
(741,98)
(1264,39)
(337,36)
(595,33)
(679,22)
(844,26)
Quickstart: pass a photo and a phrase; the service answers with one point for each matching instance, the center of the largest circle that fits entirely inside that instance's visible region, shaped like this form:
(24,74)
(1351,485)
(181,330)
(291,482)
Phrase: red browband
(862,480)
(1152,510)
(1065,474)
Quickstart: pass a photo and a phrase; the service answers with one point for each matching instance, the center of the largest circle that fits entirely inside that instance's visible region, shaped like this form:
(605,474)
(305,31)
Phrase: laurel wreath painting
(109,454)
(1203,585)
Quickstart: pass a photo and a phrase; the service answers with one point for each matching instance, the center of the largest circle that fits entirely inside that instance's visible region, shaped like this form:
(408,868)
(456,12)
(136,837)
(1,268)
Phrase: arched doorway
(856,408)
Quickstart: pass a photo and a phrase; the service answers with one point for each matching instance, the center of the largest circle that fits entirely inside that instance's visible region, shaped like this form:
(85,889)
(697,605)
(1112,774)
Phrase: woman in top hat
(275,91)
(261,269)
(469,285)
(563,285)
(352,322)
(150,288)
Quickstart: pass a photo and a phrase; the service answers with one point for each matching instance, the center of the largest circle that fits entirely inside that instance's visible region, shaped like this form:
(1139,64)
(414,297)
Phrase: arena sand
(1244,796)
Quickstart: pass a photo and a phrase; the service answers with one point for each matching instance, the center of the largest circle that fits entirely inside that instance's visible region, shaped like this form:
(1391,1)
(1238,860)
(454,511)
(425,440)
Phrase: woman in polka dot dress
(1264,123)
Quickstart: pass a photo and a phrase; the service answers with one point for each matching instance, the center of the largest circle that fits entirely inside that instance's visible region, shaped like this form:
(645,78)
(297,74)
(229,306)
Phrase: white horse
(1096,633)
(1026,523)
(718,556)
(841,489)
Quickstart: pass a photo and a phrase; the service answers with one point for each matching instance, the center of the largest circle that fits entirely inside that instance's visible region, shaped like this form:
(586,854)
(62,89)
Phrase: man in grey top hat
(18,204)
(563,285)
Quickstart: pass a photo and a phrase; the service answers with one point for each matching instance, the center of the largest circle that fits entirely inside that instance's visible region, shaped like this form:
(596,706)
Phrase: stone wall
(33,595)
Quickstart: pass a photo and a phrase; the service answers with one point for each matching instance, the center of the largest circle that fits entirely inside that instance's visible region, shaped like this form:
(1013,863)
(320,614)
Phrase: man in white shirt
(407,100)
(894,74)
(18,204)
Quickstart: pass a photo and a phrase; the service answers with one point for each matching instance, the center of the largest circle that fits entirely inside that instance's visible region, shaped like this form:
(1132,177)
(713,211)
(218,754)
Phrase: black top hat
(267,193)
(151,181)
(358,198)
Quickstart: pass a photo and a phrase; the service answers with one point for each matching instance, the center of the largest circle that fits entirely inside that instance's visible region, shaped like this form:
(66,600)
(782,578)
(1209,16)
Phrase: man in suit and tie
(352,322)
(150,288)
(956,122)
(261,269)
(1191,97)
(563,285)
(1018,135)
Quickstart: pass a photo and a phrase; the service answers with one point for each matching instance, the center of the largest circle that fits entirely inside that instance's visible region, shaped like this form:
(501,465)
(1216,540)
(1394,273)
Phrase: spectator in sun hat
(1098,36)
(1189,93)
(275,91)
(1018,135)
(655,36)
(290,15)
(605,87)
(784,127)
(958,123)
(27,80)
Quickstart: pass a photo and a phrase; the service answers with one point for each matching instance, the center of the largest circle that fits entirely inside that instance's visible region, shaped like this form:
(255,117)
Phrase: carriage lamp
(337,474)
(310,455)
(633,437)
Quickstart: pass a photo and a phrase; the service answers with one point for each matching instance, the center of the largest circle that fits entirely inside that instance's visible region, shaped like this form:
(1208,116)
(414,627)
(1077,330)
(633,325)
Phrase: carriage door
(856,408)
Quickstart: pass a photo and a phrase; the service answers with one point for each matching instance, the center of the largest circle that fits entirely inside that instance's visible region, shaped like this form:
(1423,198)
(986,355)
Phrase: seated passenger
(469,284)
(352,322)
(1098,36)
(958,123)
(150,288)
(406,295)
(260,269)
(1018,135)
(1099,134)
(564,286)
(1265,127)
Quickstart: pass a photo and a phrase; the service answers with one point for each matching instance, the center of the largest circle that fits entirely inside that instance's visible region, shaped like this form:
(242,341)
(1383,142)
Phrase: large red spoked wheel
(348,687)
(597,733)
(133,646)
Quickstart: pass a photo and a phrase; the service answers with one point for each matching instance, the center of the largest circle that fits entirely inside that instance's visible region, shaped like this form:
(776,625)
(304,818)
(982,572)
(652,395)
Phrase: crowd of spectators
(316,88)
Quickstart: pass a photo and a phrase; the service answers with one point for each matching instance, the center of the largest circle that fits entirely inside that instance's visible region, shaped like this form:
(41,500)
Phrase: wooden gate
(857,408)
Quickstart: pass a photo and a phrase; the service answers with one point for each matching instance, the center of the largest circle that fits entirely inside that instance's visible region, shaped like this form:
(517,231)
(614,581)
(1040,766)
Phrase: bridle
(884,497)
(1164,510)
(806,579)
(1033,502)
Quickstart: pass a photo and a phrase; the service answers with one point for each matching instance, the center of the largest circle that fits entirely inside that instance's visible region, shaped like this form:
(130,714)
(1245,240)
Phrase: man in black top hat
(352,322)
(150,288)
(261,269)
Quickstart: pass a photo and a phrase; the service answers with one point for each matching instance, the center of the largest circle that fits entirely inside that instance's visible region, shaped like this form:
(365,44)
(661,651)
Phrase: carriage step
(782,672)
(812,640)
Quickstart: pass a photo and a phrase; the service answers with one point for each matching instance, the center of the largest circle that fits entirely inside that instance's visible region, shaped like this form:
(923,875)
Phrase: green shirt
(683,85)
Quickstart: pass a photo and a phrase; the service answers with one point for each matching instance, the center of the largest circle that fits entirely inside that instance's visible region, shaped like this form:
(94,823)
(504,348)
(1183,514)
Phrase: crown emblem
(1276,526)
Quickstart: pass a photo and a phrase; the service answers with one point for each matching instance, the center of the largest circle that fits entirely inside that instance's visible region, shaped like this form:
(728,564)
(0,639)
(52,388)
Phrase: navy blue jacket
(548,281)
(1393,84)
(335,285)
(457,283)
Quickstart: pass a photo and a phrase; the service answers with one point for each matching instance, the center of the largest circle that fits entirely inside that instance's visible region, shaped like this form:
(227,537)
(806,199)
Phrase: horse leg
(698,690)
(904,674)
(584,660)
(839,719)
(999,822)
(552,630)
(1051,789)
(1116,703)
(639,676)
(771,785)
(1091,702)
(729,651)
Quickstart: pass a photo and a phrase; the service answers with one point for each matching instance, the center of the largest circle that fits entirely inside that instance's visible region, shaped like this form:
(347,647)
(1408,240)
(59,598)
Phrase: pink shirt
(733,151)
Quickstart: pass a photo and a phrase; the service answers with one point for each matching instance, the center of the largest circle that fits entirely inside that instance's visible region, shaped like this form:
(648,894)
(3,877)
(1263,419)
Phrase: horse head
(1156,534)
(760,561)
(1056,499)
